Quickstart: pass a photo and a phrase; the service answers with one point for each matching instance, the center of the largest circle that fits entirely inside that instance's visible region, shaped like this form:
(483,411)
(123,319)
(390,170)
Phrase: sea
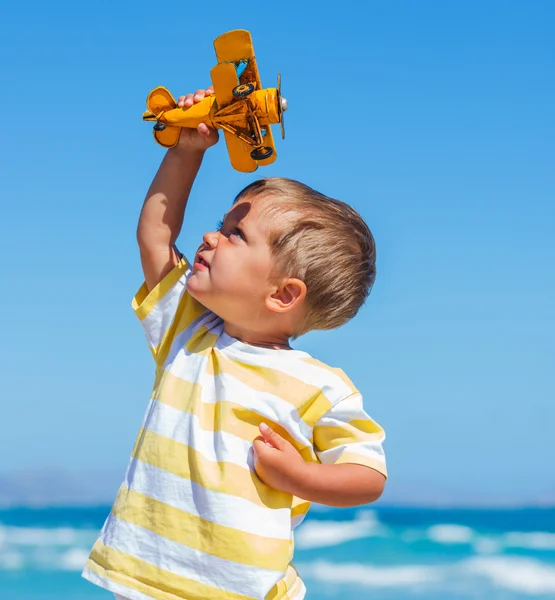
(342,554)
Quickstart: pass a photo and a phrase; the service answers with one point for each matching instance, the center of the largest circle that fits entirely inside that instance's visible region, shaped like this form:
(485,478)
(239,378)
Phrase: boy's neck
(256,338)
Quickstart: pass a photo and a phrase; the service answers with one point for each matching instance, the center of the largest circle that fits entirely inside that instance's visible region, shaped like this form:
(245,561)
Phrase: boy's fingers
(199,95)
(271,437)
(261,448)
(188,101)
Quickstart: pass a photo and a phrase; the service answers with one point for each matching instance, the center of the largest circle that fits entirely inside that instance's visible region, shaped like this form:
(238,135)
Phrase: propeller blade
(281,103)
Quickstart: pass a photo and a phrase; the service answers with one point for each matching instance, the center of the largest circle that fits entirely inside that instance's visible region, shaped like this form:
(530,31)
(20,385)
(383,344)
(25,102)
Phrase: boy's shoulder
(334,375)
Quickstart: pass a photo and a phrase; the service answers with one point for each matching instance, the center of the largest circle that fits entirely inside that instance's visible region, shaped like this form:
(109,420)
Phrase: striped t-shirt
(192,520)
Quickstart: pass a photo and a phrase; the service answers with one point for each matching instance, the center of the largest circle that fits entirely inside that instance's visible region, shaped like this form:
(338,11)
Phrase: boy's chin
(194,288)
(201,296)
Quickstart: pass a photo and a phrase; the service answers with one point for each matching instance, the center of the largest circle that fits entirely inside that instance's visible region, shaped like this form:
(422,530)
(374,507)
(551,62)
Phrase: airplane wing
(268,141)
(160,100)
(224,79)
(234,47)
(169,137)
(239,154)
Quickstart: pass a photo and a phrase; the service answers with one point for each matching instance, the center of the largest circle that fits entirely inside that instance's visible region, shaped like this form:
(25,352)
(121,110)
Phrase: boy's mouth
(201,263)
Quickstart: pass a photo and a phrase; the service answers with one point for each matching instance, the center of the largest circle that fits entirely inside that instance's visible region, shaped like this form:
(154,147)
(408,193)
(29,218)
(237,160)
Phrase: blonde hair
(325,243)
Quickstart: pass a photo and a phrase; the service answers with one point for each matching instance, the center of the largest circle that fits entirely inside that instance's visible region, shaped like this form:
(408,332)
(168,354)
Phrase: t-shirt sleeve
(346,434)
(167,311)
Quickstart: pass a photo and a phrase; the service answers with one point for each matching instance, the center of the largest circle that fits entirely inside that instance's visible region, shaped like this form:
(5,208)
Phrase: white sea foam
(315,534)
(485,544)
(514,573)
(451,534)
(74,559)
(370,576)
(52,549)
(11,561)
(535,540)
(35,536)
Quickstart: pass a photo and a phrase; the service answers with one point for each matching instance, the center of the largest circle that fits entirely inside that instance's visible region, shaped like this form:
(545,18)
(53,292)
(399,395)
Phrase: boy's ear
(289,294)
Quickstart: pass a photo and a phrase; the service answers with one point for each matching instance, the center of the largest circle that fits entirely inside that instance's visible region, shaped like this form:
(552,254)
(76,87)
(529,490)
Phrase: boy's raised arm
(164,206)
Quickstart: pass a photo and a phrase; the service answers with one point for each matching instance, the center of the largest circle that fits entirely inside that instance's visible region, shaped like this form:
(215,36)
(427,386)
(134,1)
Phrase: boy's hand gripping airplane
(239,106)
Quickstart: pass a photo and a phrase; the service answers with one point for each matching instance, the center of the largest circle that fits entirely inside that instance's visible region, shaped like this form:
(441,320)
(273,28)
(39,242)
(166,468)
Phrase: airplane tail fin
(158,102)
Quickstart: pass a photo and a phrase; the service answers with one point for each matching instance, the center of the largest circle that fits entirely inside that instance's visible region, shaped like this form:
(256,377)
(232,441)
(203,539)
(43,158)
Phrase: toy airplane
(239,106)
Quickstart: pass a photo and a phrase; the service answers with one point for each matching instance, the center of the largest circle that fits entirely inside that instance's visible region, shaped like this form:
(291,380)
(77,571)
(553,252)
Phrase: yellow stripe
(144,301)
(201,340)
(150,580)
(309,400)
(186,462)
(219,416)
(359,459)
(300,507)
(284,586)
(328,436)
(337,372)
(200,534)
(187,311)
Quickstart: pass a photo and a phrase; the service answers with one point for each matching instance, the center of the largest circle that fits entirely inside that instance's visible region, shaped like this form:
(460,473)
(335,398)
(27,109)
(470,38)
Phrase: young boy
(242,432)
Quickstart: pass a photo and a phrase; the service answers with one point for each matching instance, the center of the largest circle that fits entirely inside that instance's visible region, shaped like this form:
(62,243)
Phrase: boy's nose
(210,238)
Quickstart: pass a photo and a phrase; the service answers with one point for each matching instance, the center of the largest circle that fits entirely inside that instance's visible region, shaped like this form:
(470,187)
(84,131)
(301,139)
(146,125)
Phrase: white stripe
(331,384)
(371,450)
(217,446)
(349,409)
(231,389)
(296,521)
(298,591)
(187,366)
(217,507)
(187,562)
(114,587)
(159,319)
(225,387)
(207,319)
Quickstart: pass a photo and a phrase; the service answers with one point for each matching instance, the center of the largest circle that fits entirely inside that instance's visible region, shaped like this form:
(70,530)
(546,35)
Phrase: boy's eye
(234,231)
(237,232)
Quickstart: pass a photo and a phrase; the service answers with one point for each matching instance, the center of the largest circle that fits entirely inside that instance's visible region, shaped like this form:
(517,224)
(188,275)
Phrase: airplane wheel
(262,153)
(243,90)
(159,126)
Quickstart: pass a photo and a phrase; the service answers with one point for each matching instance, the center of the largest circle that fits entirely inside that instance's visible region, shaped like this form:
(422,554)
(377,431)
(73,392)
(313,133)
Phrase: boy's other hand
(203,136)
(276,461)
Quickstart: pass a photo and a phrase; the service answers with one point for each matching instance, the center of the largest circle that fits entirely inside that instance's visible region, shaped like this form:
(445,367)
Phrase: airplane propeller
(282,107)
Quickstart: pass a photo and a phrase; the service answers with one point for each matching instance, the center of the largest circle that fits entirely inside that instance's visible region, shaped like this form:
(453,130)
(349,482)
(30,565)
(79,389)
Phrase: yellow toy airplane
(239,106)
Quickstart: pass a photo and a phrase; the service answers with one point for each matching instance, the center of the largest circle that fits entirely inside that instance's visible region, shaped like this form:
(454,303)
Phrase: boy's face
(232,267)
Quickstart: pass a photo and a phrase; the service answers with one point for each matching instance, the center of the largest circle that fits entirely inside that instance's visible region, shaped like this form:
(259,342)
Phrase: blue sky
(434,119)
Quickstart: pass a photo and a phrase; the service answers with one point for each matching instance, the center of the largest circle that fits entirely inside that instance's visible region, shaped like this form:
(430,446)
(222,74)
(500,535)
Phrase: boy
(242,432)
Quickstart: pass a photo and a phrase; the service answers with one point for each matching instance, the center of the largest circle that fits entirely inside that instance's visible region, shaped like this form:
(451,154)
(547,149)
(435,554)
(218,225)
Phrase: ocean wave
(11,561)
(73,560)
(317,534)
(50,549)
(367,575)
(451,534)
(516,574)
(35,536)
(534,540)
